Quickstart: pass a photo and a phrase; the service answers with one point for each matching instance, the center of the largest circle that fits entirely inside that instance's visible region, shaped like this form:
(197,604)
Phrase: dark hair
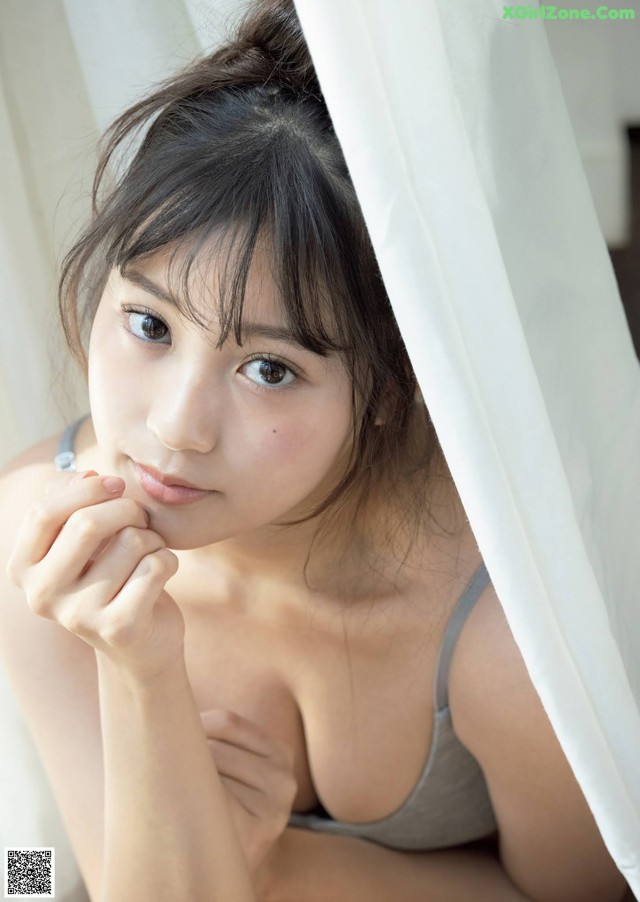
(240,146)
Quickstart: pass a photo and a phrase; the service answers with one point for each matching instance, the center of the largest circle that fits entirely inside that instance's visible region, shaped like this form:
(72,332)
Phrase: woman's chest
(351,695)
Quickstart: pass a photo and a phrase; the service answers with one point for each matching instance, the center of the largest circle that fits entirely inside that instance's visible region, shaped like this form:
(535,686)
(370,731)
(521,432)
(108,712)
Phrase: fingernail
(113,484)
(83,474)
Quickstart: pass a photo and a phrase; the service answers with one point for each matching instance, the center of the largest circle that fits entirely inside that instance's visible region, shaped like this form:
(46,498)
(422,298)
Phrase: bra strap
(457,620)
(65,459)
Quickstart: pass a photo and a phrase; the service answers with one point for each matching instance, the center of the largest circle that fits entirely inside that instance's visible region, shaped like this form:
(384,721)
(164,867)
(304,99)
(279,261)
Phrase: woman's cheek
(277,441)
(117,362)
(306,443)
(111,378)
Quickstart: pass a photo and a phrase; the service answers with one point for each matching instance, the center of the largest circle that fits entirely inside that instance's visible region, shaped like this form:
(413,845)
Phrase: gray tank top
(449,804)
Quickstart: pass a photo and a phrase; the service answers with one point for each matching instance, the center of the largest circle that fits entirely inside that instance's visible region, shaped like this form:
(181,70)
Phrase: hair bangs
(213,220)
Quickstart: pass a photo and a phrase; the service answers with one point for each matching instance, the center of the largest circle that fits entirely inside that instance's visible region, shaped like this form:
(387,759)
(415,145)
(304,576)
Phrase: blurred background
(599,67)
(68,67)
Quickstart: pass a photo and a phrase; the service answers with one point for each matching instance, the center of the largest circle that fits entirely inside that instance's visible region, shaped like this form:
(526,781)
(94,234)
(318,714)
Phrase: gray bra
(449,804)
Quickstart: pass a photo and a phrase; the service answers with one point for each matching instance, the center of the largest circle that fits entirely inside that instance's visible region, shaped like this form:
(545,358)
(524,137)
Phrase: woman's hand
(257,773)
(86,558)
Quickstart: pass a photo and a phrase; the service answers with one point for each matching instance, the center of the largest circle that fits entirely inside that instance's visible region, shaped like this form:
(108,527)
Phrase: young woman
(248,623)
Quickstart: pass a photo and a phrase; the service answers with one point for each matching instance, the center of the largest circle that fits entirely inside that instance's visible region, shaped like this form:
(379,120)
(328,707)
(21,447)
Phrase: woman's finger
(245,766)
(81,538)
(247,796)
(60,481)
(45,519)
(138,599)
(108,574)
(228,726)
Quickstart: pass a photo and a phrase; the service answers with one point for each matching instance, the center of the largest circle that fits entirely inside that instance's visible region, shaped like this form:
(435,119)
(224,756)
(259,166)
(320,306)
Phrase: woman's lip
(167,493)
(167,479)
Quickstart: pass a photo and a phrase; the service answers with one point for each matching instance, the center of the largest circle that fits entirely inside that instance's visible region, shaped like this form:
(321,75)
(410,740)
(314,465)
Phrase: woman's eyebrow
(249,330)
(277,333)
(132,275)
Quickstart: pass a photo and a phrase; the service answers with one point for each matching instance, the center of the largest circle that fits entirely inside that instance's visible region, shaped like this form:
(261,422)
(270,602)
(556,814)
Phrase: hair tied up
(269,49)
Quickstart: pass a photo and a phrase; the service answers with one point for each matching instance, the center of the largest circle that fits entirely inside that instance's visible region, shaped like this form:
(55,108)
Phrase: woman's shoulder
(23,479)
(541,812)
(37,460)
(491,692)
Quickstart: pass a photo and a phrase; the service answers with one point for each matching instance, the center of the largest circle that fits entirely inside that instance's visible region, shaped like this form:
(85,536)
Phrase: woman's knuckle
(83,525)
(40,603)
(153,565)
(73,621)
(169,559)
(164,562)
(132,539)
(114,631)
(14,572)
(40,514)
(109,635)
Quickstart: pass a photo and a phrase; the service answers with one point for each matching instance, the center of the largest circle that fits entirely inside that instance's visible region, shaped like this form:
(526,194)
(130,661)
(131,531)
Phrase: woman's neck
(384,549)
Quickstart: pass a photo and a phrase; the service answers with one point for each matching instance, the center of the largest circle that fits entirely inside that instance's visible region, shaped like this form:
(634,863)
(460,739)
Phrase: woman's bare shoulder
(23,480)
(34,465)
(541,812)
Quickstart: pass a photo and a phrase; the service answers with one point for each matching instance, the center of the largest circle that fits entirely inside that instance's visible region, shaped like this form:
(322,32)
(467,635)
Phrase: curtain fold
(456,135)
(45,119)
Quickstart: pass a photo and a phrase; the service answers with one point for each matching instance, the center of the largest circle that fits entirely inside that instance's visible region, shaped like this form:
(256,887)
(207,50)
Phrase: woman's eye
(268,373)
(147,327)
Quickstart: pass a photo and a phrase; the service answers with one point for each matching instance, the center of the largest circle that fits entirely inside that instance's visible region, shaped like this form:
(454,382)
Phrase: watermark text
(561,12)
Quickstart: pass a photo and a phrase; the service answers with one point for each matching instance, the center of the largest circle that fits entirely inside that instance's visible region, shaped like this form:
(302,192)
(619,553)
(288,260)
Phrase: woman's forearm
(168,831)
(314,867)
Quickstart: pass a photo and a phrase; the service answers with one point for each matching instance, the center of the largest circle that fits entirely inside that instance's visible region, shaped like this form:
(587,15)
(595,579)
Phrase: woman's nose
(185,415)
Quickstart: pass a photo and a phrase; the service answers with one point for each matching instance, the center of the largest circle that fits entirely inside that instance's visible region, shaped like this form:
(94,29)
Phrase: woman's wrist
(172,674)
(158,771)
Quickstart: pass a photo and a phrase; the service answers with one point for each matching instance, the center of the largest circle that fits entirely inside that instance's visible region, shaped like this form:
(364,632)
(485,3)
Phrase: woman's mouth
(160,487)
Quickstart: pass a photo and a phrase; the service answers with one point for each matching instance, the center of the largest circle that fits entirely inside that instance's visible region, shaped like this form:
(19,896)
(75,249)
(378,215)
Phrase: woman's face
(265,427)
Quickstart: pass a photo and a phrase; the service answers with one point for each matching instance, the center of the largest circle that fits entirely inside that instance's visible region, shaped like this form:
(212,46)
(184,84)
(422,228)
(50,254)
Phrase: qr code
(29,873)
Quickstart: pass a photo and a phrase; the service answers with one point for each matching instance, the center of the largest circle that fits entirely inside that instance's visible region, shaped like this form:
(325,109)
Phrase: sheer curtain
(455,131)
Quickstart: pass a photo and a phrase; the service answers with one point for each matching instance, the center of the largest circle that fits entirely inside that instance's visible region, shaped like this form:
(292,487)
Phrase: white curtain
(454,128)
(455,131)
